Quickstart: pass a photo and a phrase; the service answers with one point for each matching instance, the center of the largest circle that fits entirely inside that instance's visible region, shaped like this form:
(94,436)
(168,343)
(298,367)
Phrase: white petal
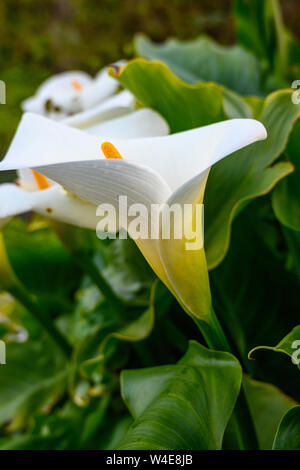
(141,123)
(102,87)
(180,157)
(13,200)
(103,181)
(40,141)
(34,105)
(63,81)
(60,90)
(54,202)
(26,180)
(59,204)
(116,106)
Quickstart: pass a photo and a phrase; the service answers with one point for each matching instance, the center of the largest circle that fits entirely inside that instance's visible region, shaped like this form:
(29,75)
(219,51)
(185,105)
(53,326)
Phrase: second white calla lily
(71,92)
(154,170)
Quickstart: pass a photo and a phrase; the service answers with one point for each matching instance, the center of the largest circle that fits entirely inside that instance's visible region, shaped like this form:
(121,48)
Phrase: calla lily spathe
(39,194)
(72,92)
(154,170)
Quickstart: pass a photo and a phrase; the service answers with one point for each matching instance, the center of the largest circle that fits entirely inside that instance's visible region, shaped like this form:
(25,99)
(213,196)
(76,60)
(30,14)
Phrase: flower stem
(21,295)
(215,338)
(280,36)
(213,333)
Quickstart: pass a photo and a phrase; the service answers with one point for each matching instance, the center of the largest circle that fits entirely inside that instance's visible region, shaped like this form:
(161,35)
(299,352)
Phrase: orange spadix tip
(40,180)
(76,85)
(110,151)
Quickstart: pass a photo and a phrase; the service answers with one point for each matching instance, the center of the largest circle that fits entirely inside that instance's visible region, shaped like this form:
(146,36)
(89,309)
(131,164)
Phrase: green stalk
(215,338)
(280,36)
(213,333)
(21,295)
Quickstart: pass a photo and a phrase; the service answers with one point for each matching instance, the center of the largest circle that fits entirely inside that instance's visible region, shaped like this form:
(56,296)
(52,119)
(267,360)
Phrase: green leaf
(33,379)
(293,55)
(114,432)
(31,442)
(47,432)
(39,260)
(253,26)
(247,174)
(124,268)
(69,427)
(267,405)
(292,238)
(260,29)
(289,345)
(139,329)
(286,195)
(202,59)
(288,434)
(183,106)
(182,406)
(128,272)
(252,292)
(98,350)
(66,427)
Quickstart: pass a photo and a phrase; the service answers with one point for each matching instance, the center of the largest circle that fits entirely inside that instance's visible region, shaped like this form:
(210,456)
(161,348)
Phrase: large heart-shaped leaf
(39,260)
(33,379)
(256,297)
(247,174)
(288,434)
(184,406)
(267,406)
(203,59)
(183,106)
(286,195)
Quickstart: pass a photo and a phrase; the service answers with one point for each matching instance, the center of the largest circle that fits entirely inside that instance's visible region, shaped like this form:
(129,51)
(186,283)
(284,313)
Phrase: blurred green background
(42,37)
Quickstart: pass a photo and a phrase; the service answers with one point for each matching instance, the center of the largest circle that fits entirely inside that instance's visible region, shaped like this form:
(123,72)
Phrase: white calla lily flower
(73,92)
(141,123)
(116,106)
(150,170)
(54,202)
(37,193)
